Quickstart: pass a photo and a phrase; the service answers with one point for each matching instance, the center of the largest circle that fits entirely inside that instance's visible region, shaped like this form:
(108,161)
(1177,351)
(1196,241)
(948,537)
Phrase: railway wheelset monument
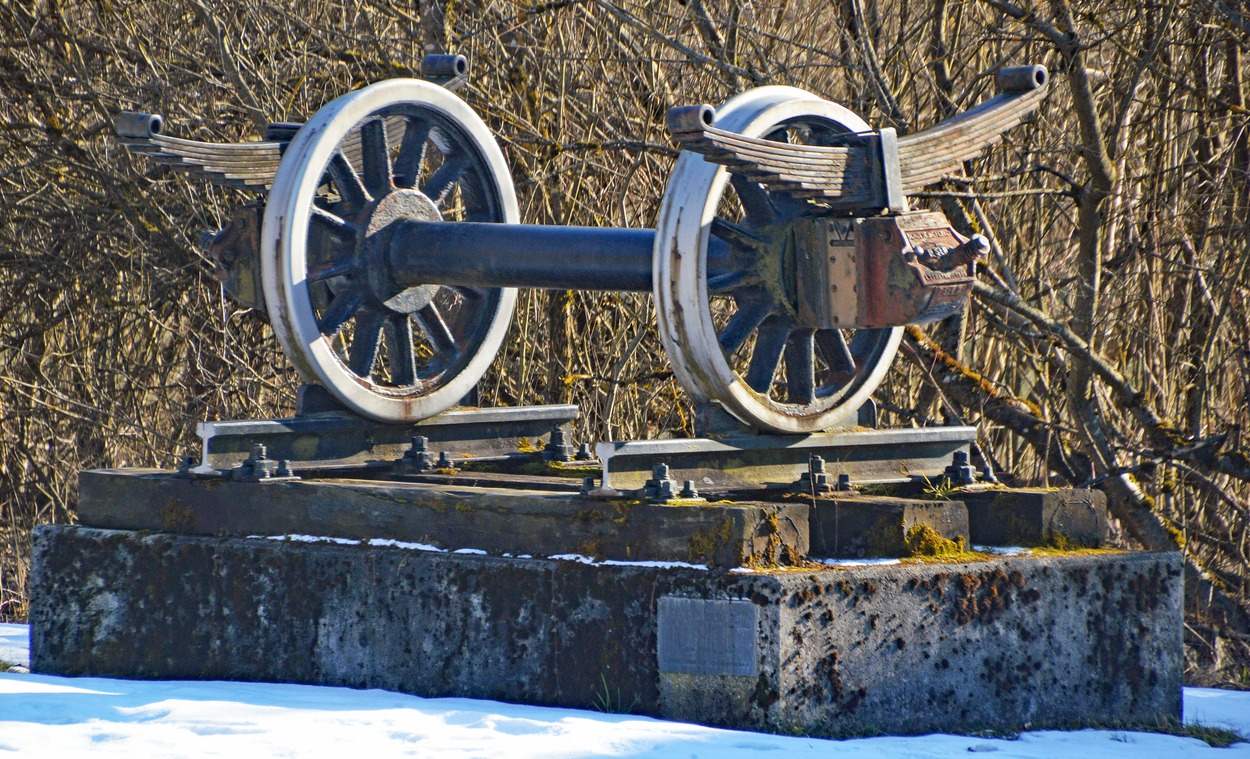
(791,568)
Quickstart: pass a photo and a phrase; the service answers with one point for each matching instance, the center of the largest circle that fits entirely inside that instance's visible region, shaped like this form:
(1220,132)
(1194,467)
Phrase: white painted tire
(686,326)
(285,240)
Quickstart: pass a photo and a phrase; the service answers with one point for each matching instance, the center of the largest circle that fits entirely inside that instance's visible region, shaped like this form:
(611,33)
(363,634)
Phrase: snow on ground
(72,717)
(14,644)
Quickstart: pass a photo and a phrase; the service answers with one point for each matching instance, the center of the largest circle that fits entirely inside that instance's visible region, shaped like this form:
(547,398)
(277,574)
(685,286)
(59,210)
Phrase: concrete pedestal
(997,644)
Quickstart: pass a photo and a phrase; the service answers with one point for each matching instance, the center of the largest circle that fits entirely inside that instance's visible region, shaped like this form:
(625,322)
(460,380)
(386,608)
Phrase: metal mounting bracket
(337,440)
(762,461)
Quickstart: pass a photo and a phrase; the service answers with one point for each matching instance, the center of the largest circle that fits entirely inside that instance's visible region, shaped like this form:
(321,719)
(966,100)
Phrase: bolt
(558,449)
(979,247)
(815,479)
(256,467)
(688,491)
(284,468)
(987,474)
(844,482)
(417,458)
(588,484)
(444,461)
(666,489)
(660,488)
(959,472)
(185,465)
(583,452)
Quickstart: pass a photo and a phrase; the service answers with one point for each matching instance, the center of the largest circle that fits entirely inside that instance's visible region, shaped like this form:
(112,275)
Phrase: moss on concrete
(704,544)
(923,540)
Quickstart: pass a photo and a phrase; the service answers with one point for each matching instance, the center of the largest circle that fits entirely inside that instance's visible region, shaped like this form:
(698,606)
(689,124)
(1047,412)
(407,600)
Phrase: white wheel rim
(680,276)
(284,240)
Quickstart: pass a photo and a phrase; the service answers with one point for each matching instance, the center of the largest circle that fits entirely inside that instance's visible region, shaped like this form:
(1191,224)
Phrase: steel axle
(471,254)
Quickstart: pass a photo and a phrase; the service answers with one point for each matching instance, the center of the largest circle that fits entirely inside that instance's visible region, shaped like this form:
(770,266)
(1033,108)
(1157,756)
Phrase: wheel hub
(384,217)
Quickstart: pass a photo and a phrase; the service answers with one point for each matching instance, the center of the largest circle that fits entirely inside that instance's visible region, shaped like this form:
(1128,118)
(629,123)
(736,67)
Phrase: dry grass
(115,340)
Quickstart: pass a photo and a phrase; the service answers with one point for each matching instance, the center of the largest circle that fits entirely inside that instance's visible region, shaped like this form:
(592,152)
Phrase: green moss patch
(923,540)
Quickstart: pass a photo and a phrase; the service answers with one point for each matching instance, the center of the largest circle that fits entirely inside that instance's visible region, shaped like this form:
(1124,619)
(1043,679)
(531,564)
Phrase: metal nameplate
(702,636)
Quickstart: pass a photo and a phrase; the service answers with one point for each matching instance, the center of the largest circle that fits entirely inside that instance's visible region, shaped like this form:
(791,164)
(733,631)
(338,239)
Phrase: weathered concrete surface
(1034,517)
(901,649)
(496,520)
(865,525)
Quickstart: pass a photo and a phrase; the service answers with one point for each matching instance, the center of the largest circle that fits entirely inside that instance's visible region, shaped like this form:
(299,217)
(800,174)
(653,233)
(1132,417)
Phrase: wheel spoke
(769,344)
(431,323)
(411,153)
(474,196)
(403,362)
(330,269)
(836,352)
(864,340)
(375,158)
(750,314)
(723,283)
(755,201)
(735,234)
(442,180)
(334,224)
(800,367)
(347,182)
(365,342)
(342,308)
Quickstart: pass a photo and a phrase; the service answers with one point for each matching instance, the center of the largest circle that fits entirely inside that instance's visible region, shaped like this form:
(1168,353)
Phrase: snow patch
(860,562)
(307,539)
(1004,550)
(389,543)
(375,542)
(621,563)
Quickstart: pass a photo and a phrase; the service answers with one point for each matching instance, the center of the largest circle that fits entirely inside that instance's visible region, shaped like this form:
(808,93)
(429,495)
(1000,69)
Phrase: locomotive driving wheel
(737,338)
(394,151)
